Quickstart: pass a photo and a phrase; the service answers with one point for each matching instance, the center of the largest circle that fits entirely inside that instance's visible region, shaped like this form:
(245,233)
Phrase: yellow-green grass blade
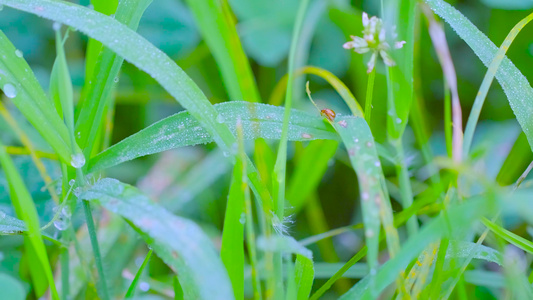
(346,95)
(514,84)
(215,21)
(304,274)
(189,252)
(26,211)
(18,83)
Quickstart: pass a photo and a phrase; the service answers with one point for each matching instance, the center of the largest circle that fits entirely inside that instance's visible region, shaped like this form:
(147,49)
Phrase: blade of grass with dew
(189,251)
(146,57)
(131,290)
(510,237)
(231,250)
(514,84)
(346,95)
(26,211)
(487,81)
(376,208)
(97,91)
(308,172)
(259,120)
(304,275)
(215,21)
(19,84)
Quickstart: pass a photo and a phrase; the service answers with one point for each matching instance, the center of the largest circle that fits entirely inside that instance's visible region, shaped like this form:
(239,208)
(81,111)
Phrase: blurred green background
(265,28)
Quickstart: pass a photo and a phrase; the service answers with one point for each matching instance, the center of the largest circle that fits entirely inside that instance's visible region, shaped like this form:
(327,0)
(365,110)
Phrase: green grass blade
(259,121)
(304,275)
(376,208)
(487,81)
(133,285)
(26,211)
(97,91)
(26,93)
(215,21)
(514,84)
(189,251)
(232,251)
(510,237)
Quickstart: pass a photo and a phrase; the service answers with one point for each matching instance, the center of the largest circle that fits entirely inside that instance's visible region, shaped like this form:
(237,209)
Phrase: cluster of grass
(436,228)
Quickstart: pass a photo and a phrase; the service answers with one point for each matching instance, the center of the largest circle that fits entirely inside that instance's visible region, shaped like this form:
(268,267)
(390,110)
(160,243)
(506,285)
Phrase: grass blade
(304,275)
(26,211)
(189,250)
(510,237)
(215,21)
(258,120)
(514,84)
(133,285)
(19,84)
(487,81)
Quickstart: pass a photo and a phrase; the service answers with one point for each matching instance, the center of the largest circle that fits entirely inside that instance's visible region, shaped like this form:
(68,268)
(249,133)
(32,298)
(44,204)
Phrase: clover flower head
(374,40)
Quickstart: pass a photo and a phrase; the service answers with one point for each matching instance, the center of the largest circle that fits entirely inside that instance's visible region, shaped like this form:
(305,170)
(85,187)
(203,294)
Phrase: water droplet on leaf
(18,53)
(77,160)
(10,90)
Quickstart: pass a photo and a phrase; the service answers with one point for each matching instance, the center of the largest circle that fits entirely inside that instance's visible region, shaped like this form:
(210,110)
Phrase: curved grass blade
(10,225)
(189,252)
(514,84)
(487,81)
(510,237)
(258,120)
(277,95)
(26,211)
(18,83)
(215,21)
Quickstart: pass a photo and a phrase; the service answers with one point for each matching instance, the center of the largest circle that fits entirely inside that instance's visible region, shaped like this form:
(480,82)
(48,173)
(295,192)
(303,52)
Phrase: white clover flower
(374,40)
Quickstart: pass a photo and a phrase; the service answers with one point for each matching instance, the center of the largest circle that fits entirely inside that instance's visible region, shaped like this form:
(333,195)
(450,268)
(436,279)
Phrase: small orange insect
(328,113)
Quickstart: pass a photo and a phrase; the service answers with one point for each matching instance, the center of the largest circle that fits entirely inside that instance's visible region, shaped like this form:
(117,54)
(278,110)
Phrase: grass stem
(369,95)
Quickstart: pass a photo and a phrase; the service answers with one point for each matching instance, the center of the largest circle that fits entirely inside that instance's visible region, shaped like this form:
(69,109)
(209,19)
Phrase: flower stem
(369,92)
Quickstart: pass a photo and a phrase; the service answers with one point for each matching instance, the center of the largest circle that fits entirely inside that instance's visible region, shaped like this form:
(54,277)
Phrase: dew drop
(144,286)
(72,182)
(181,126)
(18,53)
(10,90)
(220,119)
(377,163)
(226,153)
(242,219)
(66,212)
(56,26)
(369,144)
(77,160)
(365,196)
(77,192)
(398,120)
(61,224)
(306,136)
(369,233)
(356,140)
(115,80)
